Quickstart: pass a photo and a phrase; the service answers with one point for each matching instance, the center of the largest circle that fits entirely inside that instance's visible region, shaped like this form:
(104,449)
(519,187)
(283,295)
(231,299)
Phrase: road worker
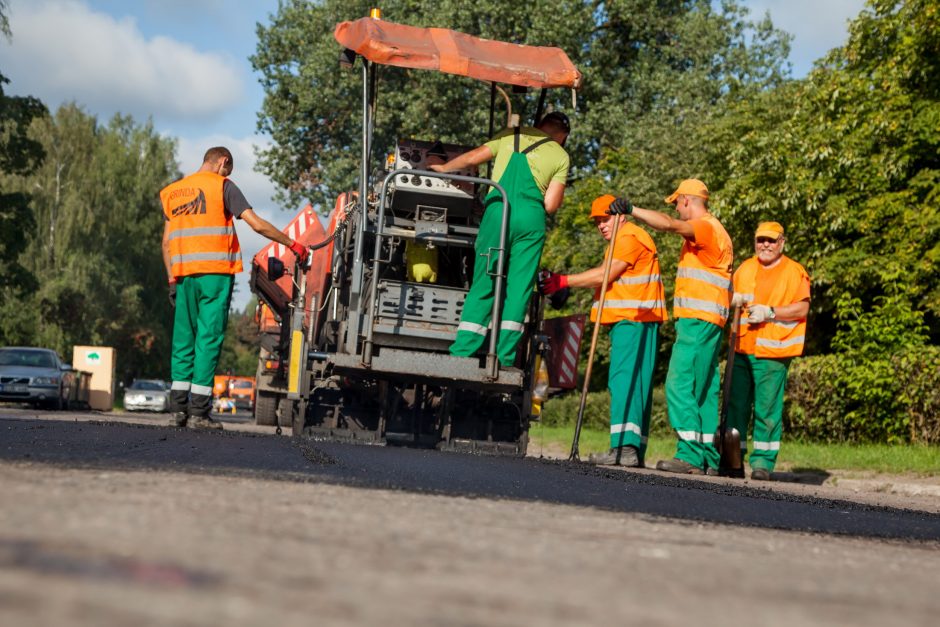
(775,290)
(532,166)
(634,307)
(701,305)
(202,255)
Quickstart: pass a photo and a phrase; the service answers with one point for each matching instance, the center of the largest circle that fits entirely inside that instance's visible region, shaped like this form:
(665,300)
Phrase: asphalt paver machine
(368,324)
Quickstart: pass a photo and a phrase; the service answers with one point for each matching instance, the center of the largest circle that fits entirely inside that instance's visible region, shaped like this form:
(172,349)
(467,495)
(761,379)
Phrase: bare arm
(793,311)
(662,222)
(166,250)
(471,157)
(265,228)
(595,276)
(553,196)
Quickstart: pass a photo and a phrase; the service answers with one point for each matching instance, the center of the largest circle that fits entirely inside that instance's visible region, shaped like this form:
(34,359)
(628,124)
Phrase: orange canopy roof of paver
(448,51)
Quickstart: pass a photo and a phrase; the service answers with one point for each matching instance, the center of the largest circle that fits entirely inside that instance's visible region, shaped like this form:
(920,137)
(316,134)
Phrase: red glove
(300,250)
(550,282)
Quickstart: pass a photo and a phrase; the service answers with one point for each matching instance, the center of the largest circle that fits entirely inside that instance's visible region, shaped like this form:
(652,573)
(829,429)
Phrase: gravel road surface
(113,520)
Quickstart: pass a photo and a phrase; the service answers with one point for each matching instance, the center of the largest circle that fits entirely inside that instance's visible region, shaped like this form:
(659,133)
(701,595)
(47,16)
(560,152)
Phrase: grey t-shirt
(233,199)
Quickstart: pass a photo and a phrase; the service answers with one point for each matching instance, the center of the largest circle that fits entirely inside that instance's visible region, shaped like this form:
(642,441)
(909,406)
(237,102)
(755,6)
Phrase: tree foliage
(93,245)
(637,56)
(849,161)
(19,155)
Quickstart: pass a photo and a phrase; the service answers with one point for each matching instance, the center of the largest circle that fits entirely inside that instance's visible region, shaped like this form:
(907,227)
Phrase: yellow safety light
(376,14)
(293,375)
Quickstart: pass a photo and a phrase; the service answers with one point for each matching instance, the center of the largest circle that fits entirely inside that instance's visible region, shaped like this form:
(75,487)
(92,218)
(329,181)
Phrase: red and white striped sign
(565,340)
(295,229)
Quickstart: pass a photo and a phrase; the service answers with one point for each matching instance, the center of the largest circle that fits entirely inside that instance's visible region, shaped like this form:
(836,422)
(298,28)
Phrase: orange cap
(689,187)
(769,229)
(600,206)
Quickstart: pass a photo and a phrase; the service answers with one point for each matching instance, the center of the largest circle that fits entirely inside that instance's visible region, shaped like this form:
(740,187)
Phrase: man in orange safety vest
(775,290)
(700,306)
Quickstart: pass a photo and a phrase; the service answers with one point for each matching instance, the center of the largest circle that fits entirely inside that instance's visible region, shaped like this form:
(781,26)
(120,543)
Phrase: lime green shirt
(549,162)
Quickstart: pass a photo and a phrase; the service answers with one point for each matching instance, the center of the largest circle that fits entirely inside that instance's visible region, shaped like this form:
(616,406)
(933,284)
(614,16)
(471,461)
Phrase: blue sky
(184,63)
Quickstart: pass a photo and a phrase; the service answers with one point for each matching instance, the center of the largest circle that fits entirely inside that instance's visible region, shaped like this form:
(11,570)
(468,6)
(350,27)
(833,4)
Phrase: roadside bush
(892,397)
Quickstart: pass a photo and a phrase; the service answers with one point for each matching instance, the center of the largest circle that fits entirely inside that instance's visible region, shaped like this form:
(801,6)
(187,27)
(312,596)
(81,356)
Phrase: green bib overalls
(524,241)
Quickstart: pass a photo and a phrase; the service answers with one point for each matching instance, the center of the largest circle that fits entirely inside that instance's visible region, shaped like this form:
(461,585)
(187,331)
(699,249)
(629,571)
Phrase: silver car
(147,395)
(35,375)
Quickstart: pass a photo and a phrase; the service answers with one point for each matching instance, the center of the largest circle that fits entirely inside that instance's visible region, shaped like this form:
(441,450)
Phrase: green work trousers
(692,391)
(758,383)
(630,381)
(202,304)
(524,241)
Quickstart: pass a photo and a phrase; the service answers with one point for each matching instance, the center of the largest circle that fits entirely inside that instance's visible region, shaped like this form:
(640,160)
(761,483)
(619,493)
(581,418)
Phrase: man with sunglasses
(700,307)
(775,290)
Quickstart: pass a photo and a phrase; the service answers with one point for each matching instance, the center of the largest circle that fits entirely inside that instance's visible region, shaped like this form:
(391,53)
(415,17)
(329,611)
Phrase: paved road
(369,534)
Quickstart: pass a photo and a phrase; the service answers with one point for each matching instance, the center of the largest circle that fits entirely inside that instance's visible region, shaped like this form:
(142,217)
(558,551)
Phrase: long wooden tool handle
(726,387)
(597,326)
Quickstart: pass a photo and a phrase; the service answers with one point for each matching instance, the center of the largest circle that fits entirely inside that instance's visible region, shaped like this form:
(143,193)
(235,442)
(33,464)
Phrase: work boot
(760,474)
(619,456)
(734,473)
(179,419)
(206,423)
(678,466)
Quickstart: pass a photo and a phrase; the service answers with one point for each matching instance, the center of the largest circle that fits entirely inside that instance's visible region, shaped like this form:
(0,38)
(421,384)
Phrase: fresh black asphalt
(108,445)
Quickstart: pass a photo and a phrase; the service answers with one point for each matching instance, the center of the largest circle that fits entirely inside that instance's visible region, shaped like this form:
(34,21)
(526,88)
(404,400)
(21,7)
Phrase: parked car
(35,375)
(147,395)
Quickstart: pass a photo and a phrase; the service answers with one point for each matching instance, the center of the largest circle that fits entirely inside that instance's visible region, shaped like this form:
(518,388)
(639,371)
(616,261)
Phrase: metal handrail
(492,363)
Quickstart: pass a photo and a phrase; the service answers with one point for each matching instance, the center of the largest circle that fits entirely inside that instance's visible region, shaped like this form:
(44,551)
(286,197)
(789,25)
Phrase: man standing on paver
(776,291)
(702,299)
(202,255)
(634,307)
(532,166)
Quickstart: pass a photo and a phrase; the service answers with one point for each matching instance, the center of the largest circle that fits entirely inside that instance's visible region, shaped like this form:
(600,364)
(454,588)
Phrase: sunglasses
(766,240)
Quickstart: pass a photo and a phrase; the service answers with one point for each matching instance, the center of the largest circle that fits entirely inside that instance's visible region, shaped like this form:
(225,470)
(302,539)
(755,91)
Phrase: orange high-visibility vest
(703,289)
(202,233)
(773,338)
(638,293)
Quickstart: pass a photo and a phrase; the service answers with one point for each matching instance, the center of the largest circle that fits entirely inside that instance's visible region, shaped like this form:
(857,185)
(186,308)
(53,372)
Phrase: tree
(633,54)
(94,246)
(849,160)
(18,155)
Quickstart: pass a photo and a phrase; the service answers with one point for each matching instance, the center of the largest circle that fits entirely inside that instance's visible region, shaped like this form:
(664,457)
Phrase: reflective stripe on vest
(776,339)
(191,257)
(704,275)
(201,238)
(707,307)
(202,230)
(636,295)
(703,290)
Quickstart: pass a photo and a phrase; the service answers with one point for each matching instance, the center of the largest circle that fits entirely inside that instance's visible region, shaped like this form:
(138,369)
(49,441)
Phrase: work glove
(620,207)
(737,300)
(173,293)
(301,251)
(550,282)
(759,313)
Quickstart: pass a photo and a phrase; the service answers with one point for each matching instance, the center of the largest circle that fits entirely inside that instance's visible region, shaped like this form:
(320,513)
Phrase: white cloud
(62,50)
(817,25)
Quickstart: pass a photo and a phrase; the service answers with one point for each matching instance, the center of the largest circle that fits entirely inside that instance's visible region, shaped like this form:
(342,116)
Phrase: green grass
(794,456)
